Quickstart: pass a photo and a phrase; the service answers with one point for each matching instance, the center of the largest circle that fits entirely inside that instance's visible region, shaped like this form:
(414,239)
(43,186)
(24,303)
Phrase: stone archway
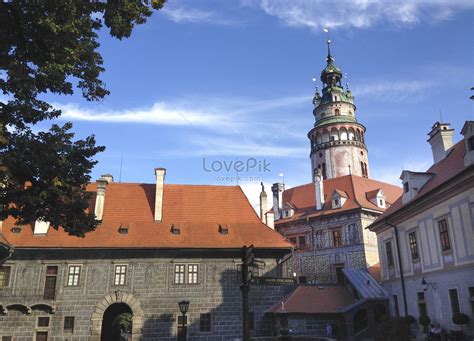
(108,300)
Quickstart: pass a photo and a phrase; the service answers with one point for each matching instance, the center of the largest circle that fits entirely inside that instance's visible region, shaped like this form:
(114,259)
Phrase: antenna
(283,177)
(440,116)
(121,162)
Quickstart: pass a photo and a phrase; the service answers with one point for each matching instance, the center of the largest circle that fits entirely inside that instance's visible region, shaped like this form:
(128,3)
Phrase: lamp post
(426,284)
(183,308)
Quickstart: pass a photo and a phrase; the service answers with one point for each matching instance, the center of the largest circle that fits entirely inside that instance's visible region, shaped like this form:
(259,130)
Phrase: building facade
(326,219)
(156,245)
(426,239)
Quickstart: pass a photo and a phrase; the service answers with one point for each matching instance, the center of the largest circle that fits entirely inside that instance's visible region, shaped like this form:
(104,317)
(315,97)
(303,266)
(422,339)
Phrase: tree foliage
(50,47)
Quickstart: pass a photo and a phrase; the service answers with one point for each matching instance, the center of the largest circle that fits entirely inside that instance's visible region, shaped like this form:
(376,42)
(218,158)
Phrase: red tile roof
(441,172)
(355,187)
(196,210)
(314,300)
(374,271)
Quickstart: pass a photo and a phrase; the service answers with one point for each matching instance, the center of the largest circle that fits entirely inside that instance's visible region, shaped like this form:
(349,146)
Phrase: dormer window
(338,198)
(287,210)
(470,143)
(16,229)
(123,229)
(377,197)
(175,230)
(223,229)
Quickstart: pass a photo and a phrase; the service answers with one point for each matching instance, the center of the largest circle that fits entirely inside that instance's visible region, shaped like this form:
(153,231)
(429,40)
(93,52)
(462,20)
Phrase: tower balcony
(337,143)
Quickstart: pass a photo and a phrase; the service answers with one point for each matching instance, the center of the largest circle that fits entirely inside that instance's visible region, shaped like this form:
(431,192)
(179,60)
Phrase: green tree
(50,47)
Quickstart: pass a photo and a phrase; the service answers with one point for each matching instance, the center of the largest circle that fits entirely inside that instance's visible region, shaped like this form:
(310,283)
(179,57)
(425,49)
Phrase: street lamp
(183,308)
(426,284)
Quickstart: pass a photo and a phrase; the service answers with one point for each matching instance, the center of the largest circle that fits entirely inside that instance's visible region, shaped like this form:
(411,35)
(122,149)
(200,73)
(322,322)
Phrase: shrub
(409,319)
(460,319)
(424,320)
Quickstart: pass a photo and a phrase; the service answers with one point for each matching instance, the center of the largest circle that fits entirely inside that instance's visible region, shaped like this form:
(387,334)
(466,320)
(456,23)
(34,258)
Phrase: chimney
(100,198)
(270,219)
(319,189)
(277,190)
(41,227)
(440,139)
(160,178)
(468,132)
(108,177)
(263,204)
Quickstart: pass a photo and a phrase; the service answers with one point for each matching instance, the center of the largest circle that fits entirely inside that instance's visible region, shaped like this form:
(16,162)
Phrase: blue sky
(215,81)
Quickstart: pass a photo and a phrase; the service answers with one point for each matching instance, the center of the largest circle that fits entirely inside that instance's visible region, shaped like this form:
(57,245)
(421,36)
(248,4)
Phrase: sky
(220,92)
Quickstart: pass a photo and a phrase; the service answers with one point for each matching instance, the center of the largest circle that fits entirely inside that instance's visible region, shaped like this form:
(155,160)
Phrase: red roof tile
(355,188)
(196,210)
(441,172)
(374,271)
(314,300)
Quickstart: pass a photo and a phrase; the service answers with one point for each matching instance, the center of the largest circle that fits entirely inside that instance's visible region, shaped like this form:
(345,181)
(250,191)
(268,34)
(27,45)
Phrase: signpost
(249,261)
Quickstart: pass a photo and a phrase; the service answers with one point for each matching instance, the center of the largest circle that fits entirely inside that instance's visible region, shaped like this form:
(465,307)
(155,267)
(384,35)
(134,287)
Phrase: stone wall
(319,261)
(149,291)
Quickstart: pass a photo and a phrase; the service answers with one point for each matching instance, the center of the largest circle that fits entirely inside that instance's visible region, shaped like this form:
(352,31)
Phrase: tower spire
(329,58)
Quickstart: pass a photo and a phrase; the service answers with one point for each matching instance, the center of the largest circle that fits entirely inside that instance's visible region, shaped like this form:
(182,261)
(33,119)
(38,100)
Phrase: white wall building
(430,232)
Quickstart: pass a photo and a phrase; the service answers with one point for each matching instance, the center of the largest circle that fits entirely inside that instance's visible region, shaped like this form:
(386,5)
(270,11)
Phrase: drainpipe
(402,278)
(314,246)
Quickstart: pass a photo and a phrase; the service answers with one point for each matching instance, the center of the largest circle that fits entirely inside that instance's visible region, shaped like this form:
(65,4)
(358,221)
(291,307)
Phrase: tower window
(324,171)
(337,112)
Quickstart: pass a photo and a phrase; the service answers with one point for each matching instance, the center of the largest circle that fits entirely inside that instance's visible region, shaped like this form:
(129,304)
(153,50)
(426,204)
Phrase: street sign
(273,280)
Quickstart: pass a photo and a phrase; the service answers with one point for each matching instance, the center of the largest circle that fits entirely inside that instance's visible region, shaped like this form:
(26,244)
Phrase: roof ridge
(354,192)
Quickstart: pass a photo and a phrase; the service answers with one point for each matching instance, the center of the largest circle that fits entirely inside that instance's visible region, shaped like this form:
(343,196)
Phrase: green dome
(331,68)
(335,120)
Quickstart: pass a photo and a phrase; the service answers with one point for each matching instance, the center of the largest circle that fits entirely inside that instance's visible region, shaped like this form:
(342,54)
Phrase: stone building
(326,220)
(426,238)
(157,244)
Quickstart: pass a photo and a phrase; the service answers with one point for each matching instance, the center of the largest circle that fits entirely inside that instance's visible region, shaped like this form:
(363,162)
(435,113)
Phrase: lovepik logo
(248,165)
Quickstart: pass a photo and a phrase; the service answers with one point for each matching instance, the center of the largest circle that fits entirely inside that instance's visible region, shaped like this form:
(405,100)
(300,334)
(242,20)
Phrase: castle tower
(337,139)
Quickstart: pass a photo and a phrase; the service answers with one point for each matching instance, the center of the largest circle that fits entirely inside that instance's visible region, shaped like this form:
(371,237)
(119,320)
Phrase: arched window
(343,134)
(324,170)
(360,321)
(337,112)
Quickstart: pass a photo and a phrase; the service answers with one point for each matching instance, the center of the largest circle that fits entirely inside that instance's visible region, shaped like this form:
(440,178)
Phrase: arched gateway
(110,307)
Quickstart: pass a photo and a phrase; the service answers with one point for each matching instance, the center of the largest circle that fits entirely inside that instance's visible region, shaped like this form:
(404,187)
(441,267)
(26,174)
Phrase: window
(336,237)
(395,306)
(422,311)
(323,170)
(6,338)
(340,279)
(205,323)
(470,143)
(73,275)
(43,321)
(69,324)
(293,240)
(123,229)
(179,271)
(388,250)
(120,274)
(336,202)
(406,187)
(302,242)
(413,245)
(444,235)
(453,297)
(50,283)
(41,336)
(192,273)
(338,112)
(5,276)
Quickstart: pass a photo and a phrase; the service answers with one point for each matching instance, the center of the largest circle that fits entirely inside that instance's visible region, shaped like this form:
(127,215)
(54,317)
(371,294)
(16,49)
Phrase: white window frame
(180,276)
(120,278)
(193,277)
(73,279)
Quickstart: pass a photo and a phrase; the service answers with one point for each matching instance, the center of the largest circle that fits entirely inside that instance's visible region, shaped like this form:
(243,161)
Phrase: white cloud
(361,13)
(395,90)
(158,114)
(193,15)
